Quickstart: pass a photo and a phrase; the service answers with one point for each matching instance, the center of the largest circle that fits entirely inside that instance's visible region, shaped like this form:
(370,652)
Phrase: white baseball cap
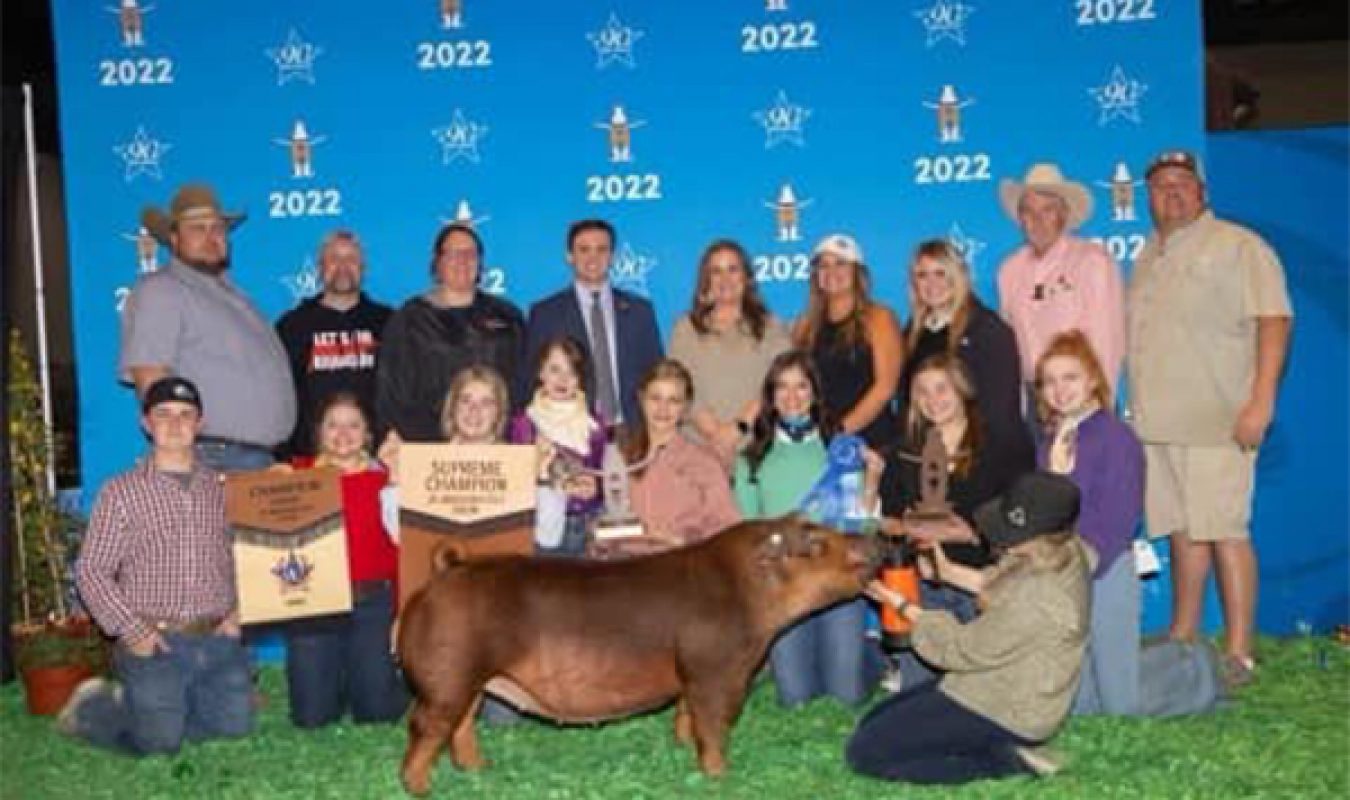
(840,246)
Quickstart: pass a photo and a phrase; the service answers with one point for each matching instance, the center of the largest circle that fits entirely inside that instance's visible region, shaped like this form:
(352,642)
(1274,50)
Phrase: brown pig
(580,641)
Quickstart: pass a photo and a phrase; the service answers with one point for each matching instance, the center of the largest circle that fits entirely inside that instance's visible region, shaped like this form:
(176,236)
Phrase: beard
(210,266)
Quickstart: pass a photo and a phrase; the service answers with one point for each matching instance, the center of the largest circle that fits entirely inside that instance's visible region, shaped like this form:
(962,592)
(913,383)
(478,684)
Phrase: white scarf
(565,423)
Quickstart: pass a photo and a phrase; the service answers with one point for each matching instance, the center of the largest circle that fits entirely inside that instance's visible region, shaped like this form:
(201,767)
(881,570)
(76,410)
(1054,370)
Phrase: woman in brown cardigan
(1011,673)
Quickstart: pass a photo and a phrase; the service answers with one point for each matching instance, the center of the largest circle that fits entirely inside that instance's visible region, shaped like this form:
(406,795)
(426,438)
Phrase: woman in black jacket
(947,318)
(435,335)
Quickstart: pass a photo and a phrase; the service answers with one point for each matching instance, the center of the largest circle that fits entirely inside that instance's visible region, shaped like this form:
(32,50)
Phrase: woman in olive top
(726,341)
(1011,673)
(824,654)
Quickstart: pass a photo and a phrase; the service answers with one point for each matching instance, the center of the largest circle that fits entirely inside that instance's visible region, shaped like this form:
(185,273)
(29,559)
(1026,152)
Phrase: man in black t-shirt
(333,339)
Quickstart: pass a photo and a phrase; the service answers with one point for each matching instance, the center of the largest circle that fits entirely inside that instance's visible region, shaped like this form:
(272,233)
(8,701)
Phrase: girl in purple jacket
(558,420)
(1086,442)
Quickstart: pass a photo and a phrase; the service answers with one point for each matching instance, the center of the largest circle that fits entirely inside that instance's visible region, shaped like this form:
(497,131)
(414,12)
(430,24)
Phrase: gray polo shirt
(204,329)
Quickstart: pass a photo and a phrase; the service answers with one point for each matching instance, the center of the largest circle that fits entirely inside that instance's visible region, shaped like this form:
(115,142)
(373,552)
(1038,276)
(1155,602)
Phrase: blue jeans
(914,671)
(338,662)
(823,654)
(227,457)
(1110,681)
(573,543)
(923,736)
(197,690)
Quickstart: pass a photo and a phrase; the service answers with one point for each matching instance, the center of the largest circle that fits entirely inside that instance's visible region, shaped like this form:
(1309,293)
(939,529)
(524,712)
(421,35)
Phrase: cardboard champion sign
(477,499)
(290,548)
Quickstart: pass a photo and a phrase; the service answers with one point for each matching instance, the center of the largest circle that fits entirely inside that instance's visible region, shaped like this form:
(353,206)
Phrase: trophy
(933,463)
(617,521)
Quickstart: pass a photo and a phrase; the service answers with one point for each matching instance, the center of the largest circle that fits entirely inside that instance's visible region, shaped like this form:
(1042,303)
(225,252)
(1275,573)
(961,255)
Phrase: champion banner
(770,121)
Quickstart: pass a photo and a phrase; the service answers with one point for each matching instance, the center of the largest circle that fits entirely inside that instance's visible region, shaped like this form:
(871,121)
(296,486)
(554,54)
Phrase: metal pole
(40,293)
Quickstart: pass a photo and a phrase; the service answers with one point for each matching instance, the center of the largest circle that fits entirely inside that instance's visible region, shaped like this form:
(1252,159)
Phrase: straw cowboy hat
(1048,179)
(193,201)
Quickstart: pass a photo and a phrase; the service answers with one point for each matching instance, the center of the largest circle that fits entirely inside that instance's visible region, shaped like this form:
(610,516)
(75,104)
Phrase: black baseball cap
(1036,504)
(172,389)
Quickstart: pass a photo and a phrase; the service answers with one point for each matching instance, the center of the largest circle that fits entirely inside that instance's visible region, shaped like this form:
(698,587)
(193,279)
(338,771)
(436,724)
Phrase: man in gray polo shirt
(189,319)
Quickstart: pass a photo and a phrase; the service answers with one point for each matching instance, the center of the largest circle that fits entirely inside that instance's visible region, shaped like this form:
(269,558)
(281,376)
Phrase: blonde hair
(956,373)
(475,374)
(1047,553)
(958,273)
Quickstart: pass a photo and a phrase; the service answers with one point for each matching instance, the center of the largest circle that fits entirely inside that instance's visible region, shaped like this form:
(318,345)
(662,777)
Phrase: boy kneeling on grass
(1012,672)
(157,574)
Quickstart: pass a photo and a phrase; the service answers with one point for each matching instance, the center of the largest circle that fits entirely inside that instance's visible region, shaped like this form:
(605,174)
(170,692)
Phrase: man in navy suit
(630,343)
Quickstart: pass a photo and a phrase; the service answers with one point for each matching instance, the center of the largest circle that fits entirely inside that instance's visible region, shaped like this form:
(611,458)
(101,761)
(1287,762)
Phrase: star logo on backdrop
(1119,97)
(304,282)
(630,269)
(294,59)
(614,43)
(460,138)
(945,20)
(141,155)
(783,122)
(968,246)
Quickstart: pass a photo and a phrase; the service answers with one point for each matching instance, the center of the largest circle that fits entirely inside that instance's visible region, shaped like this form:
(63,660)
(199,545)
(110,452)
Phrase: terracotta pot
(48,688)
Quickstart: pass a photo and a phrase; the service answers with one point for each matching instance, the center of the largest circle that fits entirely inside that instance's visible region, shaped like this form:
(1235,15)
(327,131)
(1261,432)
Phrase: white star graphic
(141,155)
(304,282)
(630,269)
(614,43)
(945,20)
(294,59)
(1119,97)
(968,246)
(460,138)
(783,122)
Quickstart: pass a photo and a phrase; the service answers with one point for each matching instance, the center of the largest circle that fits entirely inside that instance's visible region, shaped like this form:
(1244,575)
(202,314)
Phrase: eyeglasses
(458,253)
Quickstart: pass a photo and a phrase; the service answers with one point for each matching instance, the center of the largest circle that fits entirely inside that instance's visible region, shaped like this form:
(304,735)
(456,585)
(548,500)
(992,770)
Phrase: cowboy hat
(1048,179)
(193,201)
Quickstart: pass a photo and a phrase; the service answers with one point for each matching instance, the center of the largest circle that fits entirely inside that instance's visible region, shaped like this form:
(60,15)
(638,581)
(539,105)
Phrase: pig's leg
(714,707)
(684,724)
(428,730)
(464,744)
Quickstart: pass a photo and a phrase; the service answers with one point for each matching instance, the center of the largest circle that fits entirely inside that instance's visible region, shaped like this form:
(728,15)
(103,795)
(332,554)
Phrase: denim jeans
(573,543)
(197,690)
(823,654)
(1110,682)
(923,736)
(914,671)
(229,457)
(343,662)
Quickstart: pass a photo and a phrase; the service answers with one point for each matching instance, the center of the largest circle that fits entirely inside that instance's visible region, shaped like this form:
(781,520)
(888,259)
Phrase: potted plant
(54,648)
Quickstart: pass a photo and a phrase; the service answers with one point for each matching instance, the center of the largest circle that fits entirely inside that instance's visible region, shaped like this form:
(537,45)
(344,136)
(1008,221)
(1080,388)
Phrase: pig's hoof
(417,785)
(472,763)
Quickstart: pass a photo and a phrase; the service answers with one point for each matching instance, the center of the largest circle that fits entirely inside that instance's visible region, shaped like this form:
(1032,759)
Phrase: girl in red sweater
(341,662)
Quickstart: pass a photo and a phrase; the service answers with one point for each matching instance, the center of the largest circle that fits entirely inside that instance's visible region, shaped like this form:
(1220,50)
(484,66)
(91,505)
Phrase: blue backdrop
(890,120)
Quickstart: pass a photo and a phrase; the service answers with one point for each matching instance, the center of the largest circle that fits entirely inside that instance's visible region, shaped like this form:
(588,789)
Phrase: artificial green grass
(1287,736)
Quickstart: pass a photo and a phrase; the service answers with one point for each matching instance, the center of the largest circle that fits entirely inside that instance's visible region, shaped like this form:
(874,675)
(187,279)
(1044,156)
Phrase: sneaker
(1040,759)
(1238,671)
(67,720)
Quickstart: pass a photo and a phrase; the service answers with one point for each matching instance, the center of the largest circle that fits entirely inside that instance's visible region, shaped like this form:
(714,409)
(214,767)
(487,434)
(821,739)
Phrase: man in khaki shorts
(1209,322)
